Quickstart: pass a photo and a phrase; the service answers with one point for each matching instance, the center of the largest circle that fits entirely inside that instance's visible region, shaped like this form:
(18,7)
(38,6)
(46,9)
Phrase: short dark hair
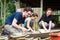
(49,9)
(34,14)
(28,9)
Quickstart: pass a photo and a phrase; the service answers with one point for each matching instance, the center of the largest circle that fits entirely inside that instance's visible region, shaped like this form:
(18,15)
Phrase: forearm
(44,25)
(33,28)
(30,28)
(50,22)
(16,26)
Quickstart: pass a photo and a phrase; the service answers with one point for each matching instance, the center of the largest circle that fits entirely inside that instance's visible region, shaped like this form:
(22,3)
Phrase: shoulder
(28,18)
(18,13)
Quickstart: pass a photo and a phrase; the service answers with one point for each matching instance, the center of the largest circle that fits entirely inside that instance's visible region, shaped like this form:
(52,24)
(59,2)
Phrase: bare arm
(28,23)
(50,25)
(14,24)
(43,25)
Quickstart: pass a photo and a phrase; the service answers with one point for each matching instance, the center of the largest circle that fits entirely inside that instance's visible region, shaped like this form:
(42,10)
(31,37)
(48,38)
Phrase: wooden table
(32,36)
(29,35)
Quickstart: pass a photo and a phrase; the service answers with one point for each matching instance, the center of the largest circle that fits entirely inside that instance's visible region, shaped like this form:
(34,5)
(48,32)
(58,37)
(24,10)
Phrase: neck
(23,14)
(31,17)
(47,15)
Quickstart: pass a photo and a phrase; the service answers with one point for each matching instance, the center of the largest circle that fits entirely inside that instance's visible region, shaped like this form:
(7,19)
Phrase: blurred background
(7,7)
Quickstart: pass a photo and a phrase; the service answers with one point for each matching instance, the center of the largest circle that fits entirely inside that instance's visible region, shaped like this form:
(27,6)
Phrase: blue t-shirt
(17,16)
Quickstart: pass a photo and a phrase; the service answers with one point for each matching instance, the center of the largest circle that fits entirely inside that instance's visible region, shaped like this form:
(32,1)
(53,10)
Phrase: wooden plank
(21,38)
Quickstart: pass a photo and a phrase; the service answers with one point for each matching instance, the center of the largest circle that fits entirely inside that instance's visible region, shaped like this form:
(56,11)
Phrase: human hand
(24,30)
(45,29)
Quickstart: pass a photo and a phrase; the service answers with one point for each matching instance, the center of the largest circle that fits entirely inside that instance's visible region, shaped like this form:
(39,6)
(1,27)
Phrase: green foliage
(10,9)
(36,26)
(0,21)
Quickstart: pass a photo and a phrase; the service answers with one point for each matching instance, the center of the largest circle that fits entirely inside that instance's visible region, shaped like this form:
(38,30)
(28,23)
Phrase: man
(47,20)
(13,21)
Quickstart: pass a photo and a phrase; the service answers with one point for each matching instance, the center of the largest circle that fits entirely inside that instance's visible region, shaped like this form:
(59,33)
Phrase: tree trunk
(1,10)
(4,10)
(41,7)
(17,4)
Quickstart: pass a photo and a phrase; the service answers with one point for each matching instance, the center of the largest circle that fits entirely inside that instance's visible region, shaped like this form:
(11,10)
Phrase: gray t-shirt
(31,22)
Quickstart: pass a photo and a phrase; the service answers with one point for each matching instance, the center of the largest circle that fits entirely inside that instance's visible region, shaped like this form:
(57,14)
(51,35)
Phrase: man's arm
(14,24)
(44,25)
(50,22)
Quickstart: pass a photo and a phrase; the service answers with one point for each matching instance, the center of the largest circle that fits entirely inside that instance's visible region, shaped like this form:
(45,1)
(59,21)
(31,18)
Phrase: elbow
(13,24)
(28,27)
